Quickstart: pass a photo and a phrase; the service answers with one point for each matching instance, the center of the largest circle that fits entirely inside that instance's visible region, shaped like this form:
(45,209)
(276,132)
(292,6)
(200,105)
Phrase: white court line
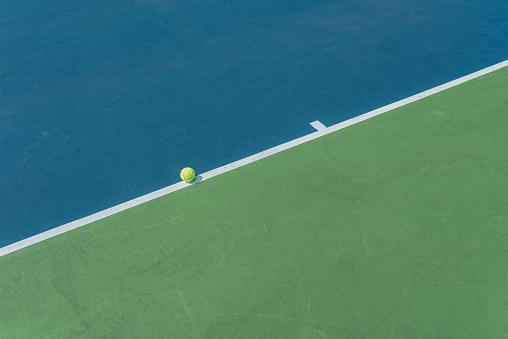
(210,174)
(318,125)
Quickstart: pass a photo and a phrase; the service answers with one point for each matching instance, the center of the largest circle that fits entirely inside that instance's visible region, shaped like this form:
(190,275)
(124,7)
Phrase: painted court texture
(395,227)
(104,101)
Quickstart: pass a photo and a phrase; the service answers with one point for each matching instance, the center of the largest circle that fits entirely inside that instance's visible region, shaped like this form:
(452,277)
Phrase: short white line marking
(226,168)
(318,125)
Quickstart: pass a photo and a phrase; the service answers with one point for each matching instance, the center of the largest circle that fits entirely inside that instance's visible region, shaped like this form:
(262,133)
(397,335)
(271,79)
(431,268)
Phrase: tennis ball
(187,174)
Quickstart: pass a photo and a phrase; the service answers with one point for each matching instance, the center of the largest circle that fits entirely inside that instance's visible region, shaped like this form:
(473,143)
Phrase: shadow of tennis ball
(196,179)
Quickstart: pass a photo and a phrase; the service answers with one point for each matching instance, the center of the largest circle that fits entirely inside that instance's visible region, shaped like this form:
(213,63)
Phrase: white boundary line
(210,174)
(318,125)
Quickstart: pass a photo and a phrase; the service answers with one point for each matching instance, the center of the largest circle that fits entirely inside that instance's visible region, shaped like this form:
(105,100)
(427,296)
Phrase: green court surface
(396,227)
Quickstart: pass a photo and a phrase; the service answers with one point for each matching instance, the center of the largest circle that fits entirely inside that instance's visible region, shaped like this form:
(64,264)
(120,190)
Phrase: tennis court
(393,226)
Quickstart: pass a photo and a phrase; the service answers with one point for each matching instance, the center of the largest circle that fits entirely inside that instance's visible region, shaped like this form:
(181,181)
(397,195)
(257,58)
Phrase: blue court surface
(104,101)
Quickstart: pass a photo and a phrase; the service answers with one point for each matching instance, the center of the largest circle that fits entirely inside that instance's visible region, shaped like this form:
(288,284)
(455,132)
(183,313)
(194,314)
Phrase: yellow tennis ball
(187,174)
